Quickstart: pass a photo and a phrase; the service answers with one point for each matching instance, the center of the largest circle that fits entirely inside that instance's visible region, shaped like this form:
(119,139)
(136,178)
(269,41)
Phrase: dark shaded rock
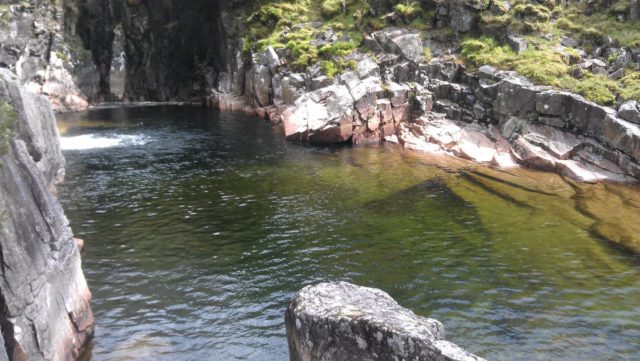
(617,75)
(403,42)
(320,82)
(340,321)
(587,117)
(622,135)
(516,43)
(568,42)
(292,87)
(258,85)
(460,15)
(516,97)
(630,111)
(553,102)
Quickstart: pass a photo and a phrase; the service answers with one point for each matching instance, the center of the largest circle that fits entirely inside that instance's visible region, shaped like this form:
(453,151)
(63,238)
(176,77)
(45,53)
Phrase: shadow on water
(198,236)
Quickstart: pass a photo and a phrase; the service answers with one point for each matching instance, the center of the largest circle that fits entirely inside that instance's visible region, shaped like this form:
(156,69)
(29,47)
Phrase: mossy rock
(7,126)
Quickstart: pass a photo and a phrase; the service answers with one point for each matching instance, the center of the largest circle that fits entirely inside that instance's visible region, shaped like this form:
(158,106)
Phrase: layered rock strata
(44,298)
(341,321)
(488,116)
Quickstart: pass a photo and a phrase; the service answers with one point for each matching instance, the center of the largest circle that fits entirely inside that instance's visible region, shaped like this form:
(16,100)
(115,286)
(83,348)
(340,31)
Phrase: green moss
(597,88)
(4,15)
(532,11)
(62,56)
(427,54)
(331,8)
(486,50)
(340,48)
(410,10)
(546,66)
(631,86)
(330,68)
(592,28)
(333,68)
(7,126)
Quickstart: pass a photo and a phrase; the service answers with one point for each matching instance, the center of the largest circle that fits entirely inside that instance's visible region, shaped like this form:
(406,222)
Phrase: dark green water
(199,227)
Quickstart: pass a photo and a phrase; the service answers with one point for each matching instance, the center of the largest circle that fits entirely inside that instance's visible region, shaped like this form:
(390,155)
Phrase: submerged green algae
(215,222)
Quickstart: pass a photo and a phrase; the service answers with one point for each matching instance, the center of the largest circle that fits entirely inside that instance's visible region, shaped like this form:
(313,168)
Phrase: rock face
(33,45)
(78,52)
(341,321)
(499,118)
(44,298)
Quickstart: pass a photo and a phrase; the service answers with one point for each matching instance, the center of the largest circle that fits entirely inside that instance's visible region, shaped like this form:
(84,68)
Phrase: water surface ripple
(199,227)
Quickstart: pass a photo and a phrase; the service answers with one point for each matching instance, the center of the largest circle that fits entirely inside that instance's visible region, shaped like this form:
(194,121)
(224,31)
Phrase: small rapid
(95,141)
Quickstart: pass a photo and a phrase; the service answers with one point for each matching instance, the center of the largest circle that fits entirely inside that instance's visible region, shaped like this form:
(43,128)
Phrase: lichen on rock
(338,321)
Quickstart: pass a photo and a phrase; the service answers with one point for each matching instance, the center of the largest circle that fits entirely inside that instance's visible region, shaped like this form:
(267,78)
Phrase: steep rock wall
(37,44)
(44,298)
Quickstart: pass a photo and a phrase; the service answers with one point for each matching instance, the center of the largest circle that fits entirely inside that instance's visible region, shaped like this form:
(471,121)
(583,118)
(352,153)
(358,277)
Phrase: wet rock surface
(44,298)
(341,321)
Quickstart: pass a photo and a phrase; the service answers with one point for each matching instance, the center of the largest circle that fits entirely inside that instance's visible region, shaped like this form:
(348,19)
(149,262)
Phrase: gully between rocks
(201,225)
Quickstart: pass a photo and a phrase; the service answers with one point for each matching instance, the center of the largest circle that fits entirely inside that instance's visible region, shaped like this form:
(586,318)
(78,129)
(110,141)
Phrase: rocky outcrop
(459,15)
(78,52)
(495,114)
(488,116)
(44,298)
(33,45)
(341,321)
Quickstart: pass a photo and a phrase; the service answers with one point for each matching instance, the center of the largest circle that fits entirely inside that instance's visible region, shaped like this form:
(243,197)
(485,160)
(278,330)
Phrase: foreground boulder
(341,321)
(44,298)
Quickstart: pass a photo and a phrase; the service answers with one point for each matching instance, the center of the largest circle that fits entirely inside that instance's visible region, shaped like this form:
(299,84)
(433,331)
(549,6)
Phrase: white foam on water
(93,141)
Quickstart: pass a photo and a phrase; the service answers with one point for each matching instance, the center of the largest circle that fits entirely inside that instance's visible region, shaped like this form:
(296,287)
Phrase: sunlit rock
(341,321)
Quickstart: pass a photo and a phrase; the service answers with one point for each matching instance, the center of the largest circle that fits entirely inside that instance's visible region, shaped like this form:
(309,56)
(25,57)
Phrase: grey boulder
(340,321)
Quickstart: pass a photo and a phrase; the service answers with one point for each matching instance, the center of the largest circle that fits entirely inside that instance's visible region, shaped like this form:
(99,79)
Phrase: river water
(200,226)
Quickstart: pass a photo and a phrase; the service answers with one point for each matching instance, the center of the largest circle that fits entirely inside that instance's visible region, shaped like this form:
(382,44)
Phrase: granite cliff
(44,298)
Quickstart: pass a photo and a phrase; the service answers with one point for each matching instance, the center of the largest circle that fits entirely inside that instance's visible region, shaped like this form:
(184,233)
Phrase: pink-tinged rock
(366,137)
(588,173)
(503,157)
(364,93)
(475,146)
(409,135)
(392,139)
(373,124)
(402,113)
(532,156)
(333,133)
(262,113)
(229,103)
(599,156)
(79,243)
(388,130)
(386,112)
